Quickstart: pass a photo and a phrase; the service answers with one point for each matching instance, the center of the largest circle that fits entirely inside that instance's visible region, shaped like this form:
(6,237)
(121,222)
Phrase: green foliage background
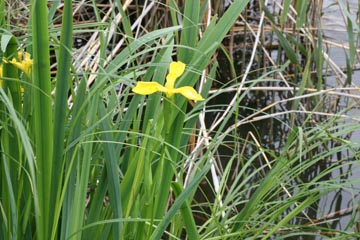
(82,157)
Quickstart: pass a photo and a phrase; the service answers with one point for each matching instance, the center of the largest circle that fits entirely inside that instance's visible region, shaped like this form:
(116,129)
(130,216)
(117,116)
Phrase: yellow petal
(27,63)
(27,56)
(23,56)
(145,88)
(176,69)
(17,64)
(170,81)
(189,92)
(20,55)
(24,65)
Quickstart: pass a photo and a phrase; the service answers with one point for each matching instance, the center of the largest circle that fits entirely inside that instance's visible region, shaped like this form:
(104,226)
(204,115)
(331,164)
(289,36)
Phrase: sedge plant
(114,145)
(60,151)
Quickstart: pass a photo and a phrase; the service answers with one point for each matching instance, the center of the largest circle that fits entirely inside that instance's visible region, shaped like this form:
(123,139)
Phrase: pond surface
(334,28)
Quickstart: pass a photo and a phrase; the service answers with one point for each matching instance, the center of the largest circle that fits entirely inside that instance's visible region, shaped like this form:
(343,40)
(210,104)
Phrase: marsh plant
(135,134)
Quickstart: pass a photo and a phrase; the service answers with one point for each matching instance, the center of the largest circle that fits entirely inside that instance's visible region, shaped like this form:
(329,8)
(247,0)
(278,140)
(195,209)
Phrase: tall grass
(84,157)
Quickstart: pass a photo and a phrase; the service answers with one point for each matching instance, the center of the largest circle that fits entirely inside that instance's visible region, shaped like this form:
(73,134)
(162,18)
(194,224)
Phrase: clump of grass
(84,157)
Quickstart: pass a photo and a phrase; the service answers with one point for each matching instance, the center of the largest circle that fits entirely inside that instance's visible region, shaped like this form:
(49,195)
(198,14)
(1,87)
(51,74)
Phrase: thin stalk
(2,14)
(110,156)
(11,72)
(9,140)
(166,171)
(42,115)
(73,208)
(63,75)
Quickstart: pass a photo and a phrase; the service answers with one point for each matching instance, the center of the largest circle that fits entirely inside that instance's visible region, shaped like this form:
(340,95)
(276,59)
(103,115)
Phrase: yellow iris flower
(175,71)
(24,64)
